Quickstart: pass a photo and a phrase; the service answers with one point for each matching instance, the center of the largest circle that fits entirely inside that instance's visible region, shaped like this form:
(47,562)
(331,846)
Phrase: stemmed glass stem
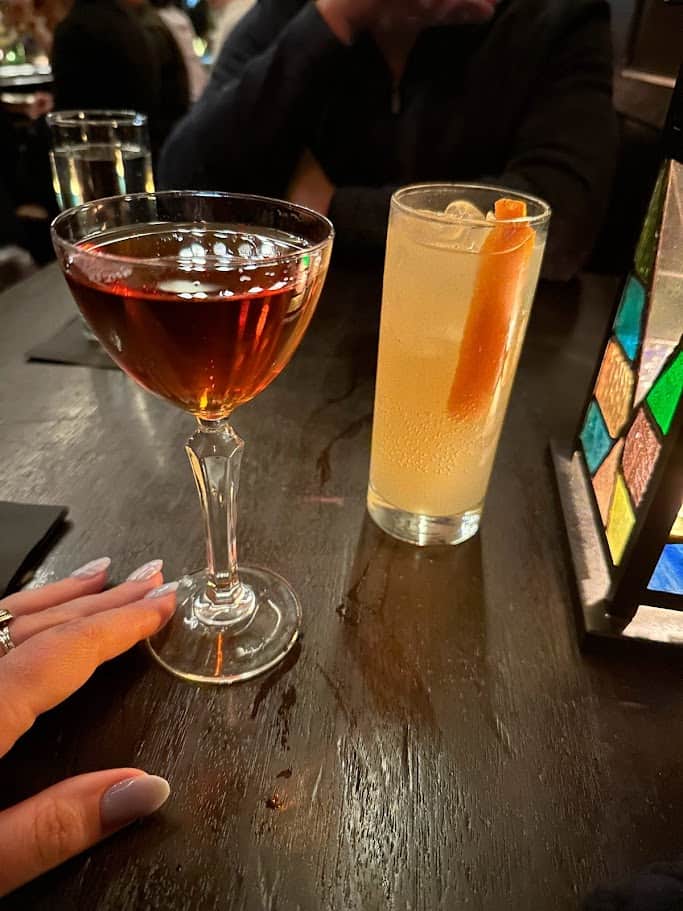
(215,454)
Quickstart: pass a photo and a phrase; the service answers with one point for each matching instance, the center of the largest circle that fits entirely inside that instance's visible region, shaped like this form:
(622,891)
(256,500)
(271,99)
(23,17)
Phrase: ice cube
(463,208)
(464,236)
(449,228)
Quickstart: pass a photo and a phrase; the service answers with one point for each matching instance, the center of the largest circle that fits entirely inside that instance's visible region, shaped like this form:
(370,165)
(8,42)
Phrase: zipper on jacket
(396,98)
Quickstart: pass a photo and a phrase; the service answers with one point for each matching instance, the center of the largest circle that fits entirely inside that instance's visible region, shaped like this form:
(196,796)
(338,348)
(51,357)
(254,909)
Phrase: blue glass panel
(668,574)
(595,440)
(628,324)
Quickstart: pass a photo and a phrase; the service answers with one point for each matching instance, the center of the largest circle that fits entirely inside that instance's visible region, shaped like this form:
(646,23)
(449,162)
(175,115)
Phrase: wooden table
(437,741)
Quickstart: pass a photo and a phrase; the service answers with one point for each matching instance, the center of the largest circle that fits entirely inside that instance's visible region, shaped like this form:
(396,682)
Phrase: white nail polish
(93,568)
(162,590)
(132,798)
(146,571)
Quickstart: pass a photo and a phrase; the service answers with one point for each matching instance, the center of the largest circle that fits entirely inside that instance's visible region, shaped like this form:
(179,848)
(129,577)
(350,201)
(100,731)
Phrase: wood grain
(436,741)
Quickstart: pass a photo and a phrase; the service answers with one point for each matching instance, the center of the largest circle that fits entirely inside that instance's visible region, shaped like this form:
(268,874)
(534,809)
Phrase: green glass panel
(628,324)
(646,250)
(594,437)
(665,395)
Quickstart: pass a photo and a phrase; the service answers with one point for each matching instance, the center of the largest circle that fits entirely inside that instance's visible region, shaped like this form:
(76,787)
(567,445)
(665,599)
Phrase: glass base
(419,529)
(216,653)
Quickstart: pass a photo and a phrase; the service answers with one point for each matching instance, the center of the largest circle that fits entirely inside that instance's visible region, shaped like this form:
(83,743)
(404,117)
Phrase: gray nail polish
(162,590)
(146,571)
(132,798)
(93,568)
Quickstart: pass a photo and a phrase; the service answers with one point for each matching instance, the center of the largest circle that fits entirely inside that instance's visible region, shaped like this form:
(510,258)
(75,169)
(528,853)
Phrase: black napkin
(25,532)
(70,346)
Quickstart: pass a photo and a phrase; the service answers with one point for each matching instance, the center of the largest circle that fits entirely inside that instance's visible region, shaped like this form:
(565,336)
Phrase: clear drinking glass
(202,298)
(95,154)
(458,288)
(98,153)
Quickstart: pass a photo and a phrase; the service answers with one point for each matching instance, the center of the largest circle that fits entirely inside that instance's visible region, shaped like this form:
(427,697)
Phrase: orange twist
(504,258)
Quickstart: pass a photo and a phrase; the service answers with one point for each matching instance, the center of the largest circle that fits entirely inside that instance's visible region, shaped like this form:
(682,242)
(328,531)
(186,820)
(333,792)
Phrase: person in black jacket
(101,59)
(108,55)
(174,92)
(336,110)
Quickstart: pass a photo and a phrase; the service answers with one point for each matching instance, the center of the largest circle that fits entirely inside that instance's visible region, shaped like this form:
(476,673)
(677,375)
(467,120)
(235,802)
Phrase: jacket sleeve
(254,119)
(566,146)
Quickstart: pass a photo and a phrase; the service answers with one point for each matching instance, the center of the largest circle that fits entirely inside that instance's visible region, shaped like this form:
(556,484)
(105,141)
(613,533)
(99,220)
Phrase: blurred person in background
(48,14)
(173,84)
(111,54)
(15,260)
(226,15)
(336,103)
(101,59)
(180,26)
(33,23)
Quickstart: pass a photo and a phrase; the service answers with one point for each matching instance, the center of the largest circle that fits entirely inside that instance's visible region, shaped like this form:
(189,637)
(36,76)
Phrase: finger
(23,627)
(44,831)
(52,665)
(82,581)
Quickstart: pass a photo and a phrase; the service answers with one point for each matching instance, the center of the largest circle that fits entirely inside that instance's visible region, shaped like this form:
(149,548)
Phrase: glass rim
(540,218)
(95,117)
(161,261)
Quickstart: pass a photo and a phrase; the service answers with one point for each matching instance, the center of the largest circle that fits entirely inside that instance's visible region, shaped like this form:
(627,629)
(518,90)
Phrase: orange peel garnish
(504,256)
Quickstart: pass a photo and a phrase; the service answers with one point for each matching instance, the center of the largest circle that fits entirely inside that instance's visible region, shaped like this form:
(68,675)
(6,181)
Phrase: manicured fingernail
(94,568)
(162,590)
(132,798)
(146,571)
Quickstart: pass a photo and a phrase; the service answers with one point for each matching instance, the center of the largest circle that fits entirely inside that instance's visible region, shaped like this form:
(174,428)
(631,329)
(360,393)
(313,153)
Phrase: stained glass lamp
(621,483)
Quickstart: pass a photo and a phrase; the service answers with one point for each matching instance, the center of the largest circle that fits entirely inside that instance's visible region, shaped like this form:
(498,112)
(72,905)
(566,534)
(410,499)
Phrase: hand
(310,185)
(61,633)
(347,17)
(42,103)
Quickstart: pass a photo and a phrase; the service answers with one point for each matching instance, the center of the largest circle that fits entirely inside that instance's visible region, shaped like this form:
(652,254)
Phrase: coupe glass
(202,298)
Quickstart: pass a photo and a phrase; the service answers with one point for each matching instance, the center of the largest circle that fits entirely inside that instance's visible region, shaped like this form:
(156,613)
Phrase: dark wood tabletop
(436,741)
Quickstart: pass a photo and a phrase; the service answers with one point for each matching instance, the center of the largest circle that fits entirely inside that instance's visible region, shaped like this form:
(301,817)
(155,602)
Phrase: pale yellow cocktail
(457,293)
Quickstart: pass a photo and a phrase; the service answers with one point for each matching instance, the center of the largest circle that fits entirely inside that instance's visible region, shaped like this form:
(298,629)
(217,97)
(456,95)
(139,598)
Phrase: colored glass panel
(628,324)
(665,395)
(614,389)
(668,574)
(653,356)
(603,481)
(621,521)
(641,450)
(677,528)
(665,314)
(646,250)
(594,438)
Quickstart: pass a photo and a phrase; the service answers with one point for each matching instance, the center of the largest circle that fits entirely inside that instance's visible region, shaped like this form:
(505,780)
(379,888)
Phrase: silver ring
(5,638)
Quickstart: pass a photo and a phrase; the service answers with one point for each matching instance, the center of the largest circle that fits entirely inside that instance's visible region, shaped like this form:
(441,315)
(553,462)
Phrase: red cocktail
(202,299)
